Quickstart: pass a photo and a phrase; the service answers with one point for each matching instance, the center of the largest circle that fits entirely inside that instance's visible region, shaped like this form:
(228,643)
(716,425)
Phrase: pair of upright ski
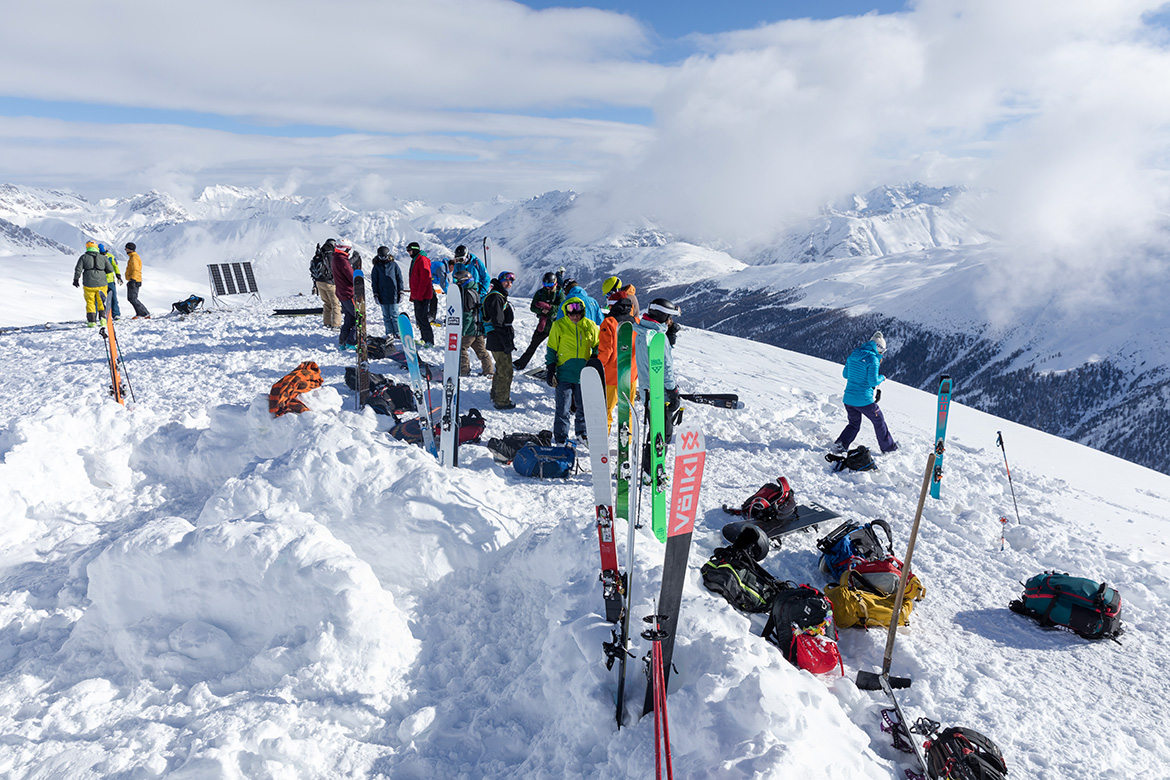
(689,462)
(117,365)
(447,448)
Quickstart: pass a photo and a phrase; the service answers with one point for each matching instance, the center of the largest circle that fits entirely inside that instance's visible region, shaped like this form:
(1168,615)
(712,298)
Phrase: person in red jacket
(343,282)
(422,292)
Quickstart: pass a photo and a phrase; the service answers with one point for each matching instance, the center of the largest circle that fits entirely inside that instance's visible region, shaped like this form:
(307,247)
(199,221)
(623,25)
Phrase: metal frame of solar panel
(231,279)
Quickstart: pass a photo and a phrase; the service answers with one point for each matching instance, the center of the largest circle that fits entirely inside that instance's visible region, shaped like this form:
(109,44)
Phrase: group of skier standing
(98,275)
(575,327)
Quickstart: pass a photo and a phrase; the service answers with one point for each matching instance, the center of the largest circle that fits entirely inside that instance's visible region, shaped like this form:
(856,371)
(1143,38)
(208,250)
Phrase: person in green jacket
(91,273)
(111,287)
(572,341)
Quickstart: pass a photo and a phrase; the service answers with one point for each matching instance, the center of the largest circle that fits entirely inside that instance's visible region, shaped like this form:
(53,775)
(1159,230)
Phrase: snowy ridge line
(195,588)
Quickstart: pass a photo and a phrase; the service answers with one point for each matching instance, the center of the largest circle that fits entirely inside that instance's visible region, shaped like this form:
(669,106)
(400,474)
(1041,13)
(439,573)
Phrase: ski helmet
(462,276)
(506,276)
(383,251)
(568,284)
(460,251)
(662,308)
(131,246)
(90,245)
(550,279)
(612,284)
(102,248)
(342,246)
(879,341)
(413,248)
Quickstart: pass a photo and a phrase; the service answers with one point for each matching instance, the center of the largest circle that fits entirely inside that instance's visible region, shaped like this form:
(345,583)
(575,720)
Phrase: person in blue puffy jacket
(574,290)
(862,374)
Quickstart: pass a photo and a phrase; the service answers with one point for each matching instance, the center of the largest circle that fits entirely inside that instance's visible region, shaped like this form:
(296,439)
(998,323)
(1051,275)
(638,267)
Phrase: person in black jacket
(501,340)
(545,304)
(387,281)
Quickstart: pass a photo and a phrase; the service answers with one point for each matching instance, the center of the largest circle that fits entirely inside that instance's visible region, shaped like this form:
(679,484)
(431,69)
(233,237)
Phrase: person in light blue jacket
(592,309)
(862,374)
(467,261)
(660,317)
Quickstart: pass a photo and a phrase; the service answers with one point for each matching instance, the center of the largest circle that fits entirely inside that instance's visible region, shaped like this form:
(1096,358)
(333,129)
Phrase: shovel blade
(872,681)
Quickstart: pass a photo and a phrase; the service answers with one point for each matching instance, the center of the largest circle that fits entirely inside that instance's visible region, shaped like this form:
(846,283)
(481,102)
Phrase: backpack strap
(882,524)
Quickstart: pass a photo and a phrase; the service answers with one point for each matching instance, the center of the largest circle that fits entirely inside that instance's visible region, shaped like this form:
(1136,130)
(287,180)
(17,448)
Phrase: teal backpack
(1085,607)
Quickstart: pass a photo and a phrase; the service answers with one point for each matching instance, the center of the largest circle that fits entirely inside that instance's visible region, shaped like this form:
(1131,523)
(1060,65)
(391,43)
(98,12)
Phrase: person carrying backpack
(573,290)
(501,338)
(134,281)
(343,265)
(660,317)
(90,274)
(467,261)
(473,335)
(572,341)
(321,272)
(422,293)
(862,373)
(112,282)
(621,310)
(613,290)
(386,279)
(545,304)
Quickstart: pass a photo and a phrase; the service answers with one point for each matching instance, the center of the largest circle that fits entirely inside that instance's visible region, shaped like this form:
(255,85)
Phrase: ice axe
(871,681)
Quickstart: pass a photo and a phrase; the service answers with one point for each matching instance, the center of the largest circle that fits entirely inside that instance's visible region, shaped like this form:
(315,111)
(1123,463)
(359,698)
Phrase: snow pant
(672,401)
(610,403)
(885,440)
(569,394)
(132,288)
(433,309)
(478,344)
(330,306)
(502,379)
(95,303)
(538,338)
(390,318)
(422,320)
(112,299)
(348,334)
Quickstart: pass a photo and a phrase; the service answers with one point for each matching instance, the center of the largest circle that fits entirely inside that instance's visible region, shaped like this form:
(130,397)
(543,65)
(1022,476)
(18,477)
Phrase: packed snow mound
(244,604)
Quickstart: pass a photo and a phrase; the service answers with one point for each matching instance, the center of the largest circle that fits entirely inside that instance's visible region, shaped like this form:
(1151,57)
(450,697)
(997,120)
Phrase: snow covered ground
(190,588)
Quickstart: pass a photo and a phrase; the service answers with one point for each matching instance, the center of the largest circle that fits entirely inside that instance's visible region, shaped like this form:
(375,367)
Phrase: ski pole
(999,443)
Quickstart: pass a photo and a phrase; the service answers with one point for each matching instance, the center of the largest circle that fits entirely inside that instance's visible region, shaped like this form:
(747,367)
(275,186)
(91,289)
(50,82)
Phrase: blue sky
(717,118)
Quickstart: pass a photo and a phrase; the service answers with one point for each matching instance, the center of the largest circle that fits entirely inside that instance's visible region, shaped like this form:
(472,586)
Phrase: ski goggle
(575,308)
(507,276)
(551,284)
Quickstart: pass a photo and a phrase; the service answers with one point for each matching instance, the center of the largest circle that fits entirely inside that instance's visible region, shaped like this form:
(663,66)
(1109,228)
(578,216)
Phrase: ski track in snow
(190,588)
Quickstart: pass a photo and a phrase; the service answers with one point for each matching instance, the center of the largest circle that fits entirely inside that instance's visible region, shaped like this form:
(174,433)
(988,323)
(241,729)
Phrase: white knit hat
(880,341)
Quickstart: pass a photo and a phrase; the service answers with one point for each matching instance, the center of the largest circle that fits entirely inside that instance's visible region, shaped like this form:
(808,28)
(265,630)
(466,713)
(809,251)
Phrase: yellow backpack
(857,603)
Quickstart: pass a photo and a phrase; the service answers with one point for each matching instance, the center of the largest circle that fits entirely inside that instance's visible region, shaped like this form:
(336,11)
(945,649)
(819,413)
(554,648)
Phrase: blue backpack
(532,460)
(850,543)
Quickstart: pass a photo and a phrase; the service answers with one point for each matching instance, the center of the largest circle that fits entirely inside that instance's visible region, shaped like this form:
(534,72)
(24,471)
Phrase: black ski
(723,400)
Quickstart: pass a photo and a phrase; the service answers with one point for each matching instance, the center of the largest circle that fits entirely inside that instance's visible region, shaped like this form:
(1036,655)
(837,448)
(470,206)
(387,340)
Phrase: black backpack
(857,459)
(188,305)
(504,449)
(386,396)
(963,754)
(734,574)
(321,266)
(773,501)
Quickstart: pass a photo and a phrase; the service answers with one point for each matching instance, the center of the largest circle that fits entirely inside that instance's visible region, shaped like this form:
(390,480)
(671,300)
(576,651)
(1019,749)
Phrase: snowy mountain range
(911,260)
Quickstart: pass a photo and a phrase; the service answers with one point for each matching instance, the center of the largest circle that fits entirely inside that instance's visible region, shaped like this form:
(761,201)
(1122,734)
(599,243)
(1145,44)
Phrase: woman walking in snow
(862,373)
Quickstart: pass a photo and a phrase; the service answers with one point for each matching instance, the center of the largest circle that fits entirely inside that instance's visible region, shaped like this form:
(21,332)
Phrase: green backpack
(1085,607)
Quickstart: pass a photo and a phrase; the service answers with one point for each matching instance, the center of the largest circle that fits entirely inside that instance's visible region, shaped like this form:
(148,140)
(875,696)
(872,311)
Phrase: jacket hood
(571,299)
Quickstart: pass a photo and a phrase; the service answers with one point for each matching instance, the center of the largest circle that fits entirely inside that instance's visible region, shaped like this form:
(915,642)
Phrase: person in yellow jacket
(134,281)
(572,341)
(111,287)
(92,271)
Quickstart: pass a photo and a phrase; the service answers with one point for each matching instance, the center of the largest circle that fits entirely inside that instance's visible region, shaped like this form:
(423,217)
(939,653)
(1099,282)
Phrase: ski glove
(76,283)
(877,395)
(550,375)
(119,278)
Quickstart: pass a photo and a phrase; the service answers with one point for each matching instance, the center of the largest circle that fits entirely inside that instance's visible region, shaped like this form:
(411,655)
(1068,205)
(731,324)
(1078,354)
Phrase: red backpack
(774,501)
(801,625)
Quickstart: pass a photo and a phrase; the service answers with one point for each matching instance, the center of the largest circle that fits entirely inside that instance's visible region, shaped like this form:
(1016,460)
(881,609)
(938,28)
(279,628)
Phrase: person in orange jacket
(621,310)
